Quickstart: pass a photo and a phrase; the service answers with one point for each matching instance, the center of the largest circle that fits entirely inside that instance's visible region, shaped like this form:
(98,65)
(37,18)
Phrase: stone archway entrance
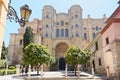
(60,51)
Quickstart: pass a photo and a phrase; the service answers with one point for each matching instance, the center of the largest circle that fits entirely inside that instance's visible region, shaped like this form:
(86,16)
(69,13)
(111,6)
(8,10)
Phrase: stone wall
(115,48)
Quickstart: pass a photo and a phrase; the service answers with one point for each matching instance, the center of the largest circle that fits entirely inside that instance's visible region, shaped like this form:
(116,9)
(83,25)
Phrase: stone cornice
(113,20)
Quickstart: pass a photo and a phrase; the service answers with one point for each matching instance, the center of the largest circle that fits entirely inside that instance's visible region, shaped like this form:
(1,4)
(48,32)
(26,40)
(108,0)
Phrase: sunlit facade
(3,13)
(57,31)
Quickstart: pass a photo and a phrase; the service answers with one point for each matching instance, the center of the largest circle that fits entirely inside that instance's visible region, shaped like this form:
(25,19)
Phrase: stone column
(93,73)
(65,70)
(18,70)
(29,70)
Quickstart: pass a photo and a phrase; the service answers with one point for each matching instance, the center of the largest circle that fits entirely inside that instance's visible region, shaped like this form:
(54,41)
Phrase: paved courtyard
(58,75)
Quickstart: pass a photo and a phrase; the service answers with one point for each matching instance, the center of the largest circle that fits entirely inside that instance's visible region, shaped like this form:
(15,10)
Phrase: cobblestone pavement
(58,75)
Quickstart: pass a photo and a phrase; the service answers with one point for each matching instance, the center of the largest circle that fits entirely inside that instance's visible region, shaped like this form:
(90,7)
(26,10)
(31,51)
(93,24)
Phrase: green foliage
(11,67)
(75,56)
(2,72)
(13,71)
(4,51)
(35,54)
(27,37)
(53,62)
(3,63)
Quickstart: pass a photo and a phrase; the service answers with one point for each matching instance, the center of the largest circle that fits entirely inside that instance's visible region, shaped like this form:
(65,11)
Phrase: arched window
(62,23)
(46,26)
(62,32)
(76,16)
(76,25)
(77,34)
(57,32)
(66,33)
(47,16)
(94,35)
(71,27)
(85,36)
(97,28)
(21,41)
(46,35)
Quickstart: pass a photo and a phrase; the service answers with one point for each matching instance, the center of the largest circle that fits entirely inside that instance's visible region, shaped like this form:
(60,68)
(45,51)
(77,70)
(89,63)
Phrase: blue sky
(96,9)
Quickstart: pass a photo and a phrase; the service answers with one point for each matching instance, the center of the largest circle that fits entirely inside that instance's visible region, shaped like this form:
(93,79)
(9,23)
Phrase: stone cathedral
(57,31)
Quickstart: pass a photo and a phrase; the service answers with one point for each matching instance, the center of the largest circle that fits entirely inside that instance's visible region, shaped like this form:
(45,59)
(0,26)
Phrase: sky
(96,9)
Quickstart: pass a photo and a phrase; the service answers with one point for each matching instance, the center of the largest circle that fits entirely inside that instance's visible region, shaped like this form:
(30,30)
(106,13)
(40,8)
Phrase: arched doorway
(60,51)
(61,64)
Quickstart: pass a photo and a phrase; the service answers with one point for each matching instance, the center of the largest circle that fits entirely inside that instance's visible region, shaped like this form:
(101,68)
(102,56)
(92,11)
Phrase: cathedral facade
(57,31)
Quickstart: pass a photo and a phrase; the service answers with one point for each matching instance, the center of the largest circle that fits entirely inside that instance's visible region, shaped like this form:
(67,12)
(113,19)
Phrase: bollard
(29,70)
(41,70)
(18,70)
(93,74)
(78,71)
(6,69)
(66,71)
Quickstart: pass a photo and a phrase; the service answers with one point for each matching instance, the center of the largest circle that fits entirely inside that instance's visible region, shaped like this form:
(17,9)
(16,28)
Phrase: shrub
(11,71)
(11,67)
(2,72)
(3,63)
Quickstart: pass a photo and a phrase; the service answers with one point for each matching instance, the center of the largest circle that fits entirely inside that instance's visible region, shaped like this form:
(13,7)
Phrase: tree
(4,51)
(27,37)
(36,55)
(53,63)
(75,56)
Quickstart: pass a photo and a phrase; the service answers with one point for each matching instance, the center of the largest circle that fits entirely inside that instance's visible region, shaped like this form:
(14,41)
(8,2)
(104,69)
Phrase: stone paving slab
(58,75)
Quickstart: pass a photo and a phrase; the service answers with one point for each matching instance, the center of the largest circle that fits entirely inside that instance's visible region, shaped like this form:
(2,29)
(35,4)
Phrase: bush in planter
(2,72)
(11,71)
(11,67)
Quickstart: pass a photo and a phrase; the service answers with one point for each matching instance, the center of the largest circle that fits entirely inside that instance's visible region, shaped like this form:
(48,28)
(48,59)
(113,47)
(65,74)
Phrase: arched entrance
(61,64)
(60,51)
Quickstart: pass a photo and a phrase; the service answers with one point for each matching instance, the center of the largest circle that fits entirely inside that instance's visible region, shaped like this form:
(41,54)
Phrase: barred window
(21,41)
(62,23)
(66,33)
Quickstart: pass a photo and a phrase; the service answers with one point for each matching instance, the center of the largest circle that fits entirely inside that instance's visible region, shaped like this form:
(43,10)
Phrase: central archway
(60,51)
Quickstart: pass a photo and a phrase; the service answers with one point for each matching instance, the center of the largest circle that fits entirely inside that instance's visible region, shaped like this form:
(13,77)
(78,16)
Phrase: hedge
(2,72)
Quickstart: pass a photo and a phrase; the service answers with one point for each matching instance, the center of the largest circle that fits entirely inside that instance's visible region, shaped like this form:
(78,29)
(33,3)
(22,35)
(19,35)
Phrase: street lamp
(25,14)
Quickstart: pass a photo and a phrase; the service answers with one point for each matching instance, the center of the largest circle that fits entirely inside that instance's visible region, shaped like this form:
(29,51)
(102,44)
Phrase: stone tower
(75,21)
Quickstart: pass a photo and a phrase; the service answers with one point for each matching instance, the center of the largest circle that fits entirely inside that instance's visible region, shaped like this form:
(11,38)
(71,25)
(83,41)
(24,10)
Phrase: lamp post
(119,2)
(25,14)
